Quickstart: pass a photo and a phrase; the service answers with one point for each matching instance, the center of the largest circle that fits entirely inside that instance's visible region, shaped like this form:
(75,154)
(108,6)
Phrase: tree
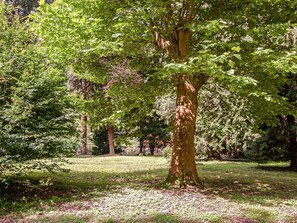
(223,123)
(86,89)
(123,87)
(36,116)
(153,129)
(278,142)
(100,142)
(195,40)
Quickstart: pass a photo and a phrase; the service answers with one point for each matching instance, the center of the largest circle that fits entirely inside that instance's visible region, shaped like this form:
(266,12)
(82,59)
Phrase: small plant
(130,151)
(167,152)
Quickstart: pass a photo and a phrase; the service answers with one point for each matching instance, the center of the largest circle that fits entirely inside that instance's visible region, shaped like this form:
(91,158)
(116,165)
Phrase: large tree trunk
(111,140)
(183,168)
(84,131)
(292,141)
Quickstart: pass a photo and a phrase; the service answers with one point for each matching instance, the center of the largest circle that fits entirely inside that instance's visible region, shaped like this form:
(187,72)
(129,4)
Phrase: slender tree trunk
(152,145)
(141,139)
(84,133)
(292,141)
(110,134)
(183,168)
(293,163)
(141,145)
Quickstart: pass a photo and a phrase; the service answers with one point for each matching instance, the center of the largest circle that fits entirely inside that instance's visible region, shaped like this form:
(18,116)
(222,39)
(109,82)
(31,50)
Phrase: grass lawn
(130,189)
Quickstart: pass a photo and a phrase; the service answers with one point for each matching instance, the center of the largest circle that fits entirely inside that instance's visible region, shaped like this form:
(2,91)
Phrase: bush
(100,141)
(167,152)
(130,151)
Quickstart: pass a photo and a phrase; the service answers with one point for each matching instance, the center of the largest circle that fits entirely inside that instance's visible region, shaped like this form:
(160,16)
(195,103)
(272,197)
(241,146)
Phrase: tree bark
(293,162)
(177,45)
(183,168)
(110,136)
(141,141)
(84,133)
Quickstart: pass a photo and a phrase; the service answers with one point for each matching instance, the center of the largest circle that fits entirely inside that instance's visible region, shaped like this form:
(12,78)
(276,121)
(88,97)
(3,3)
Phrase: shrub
(167,152)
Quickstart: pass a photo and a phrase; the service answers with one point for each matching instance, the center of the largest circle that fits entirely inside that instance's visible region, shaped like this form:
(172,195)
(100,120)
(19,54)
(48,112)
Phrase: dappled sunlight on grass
(130,189)
(248,181)
(116,164)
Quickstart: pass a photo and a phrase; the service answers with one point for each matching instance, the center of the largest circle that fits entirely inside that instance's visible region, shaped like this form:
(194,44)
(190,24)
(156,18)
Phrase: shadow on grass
(244,185)
(276,168)
(19,193)
(252,184)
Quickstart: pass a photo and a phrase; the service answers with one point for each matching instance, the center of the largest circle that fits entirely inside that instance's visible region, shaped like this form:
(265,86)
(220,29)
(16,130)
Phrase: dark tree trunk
(292,141)
(152,145)
(141,141)
(84,134)
(110,134)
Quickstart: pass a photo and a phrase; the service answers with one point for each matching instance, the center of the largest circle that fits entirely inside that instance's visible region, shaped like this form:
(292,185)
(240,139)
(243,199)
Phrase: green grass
(130,189)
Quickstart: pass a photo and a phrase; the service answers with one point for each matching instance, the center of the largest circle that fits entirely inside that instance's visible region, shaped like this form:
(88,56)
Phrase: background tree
(36,115)
(223,123)
(122,104)
(86,89)
(154,130)
(278,142)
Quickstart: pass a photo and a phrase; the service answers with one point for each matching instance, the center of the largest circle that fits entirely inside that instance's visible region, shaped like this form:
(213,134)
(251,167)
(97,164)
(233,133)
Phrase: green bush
(100,141)
(167,152)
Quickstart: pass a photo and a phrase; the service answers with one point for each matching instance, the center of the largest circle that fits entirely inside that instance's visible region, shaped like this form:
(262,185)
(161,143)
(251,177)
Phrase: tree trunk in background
(110,140)
(292,141)
(141,141)
(84,119)
(84,134)
(152,145)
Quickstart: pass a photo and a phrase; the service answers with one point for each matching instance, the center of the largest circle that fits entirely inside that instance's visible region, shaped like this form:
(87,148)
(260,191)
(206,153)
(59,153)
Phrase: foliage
(229,47)
(223,124)
(153,128)
(100,142)
(36,114)
(277,142)
(167,151)
(272,143)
